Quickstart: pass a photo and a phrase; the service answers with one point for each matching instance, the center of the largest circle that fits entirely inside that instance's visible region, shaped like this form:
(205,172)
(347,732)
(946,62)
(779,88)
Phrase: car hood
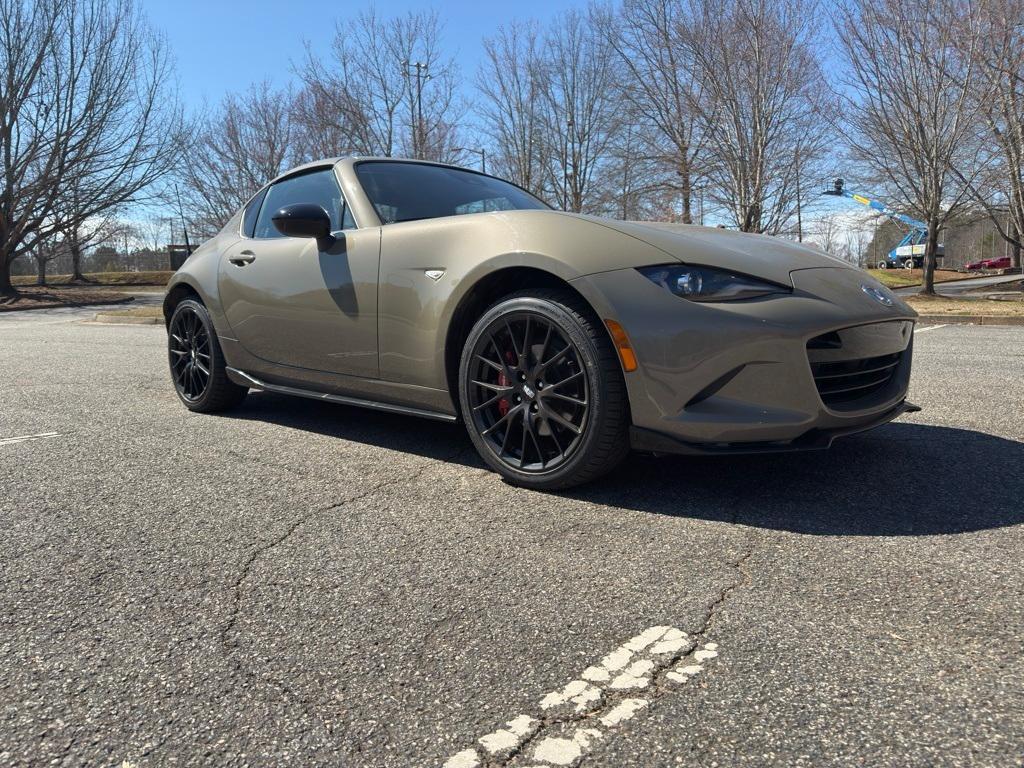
(770,258)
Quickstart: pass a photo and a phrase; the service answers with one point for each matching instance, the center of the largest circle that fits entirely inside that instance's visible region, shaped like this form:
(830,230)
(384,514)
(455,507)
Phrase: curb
(126,320)
(973,319)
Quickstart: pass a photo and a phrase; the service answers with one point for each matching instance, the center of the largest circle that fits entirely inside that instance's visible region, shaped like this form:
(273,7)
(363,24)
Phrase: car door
(291,303)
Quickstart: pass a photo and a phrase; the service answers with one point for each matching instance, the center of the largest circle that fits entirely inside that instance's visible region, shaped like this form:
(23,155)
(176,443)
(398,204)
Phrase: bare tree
(581,114)
(858,240)
(912,119)
(85,104)
(155,232)
(44,251)
(762,99)
(659,85)
(385,89)
(993,33)
(510,84)
(238,148)
(827,233)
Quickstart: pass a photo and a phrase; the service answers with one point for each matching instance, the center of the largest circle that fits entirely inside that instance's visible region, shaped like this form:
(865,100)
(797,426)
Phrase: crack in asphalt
(739,565)
(232,647)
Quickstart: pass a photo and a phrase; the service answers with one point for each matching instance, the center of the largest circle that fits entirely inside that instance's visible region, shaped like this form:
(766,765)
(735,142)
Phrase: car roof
(328,162)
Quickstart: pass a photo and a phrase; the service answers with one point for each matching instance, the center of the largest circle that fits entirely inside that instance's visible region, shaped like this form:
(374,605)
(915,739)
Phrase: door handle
(243,258)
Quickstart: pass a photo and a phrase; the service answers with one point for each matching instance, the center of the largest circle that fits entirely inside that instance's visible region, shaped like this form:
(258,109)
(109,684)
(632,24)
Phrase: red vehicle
(1002,262)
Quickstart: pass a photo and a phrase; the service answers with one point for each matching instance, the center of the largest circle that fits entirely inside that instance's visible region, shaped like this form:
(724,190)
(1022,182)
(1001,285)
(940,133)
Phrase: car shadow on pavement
(898,480)
(902,479)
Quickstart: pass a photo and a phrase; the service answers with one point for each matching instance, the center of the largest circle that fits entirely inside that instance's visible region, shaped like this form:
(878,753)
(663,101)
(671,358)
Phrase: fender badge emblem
(434,274)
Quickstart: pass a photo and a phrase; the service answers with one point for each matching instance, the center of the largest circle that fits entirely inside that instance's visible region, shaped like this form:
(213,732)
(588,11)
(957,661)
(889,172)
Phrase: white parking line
(583,712)
(25,438)
(930,328)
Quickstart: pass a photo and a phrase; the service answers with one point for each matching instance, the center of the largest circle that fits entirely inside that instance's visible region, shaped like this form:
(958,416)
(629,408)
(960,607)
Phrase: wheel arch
(483,294)
(176,294)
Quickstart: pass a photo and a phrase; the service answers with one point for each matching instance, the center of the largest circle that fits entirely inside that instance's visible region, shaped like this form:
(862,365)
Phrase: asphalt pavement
(307,584)
(957,287)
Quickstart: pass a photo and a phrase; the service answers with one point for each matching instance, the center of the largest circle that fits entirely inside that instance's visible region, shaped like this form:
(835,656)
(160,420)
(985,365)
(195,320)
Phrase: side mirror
(303,220)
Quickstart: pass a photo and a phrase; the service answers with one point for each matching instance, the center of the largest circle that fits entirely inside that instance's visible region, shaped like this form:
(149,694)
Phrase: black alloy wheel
(542,391)
(528,392)
(189,348)
(197,363)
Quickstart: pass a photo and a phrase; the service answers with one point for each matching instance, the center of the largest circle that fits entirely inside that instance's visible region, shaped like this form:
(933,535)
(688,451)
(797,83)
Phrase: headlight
(710,284)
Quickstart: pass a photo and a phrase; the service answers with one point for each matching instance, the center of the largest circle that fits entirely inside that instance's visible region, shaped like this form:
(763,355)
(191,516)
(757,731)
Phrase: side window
(252,210)
(317,187)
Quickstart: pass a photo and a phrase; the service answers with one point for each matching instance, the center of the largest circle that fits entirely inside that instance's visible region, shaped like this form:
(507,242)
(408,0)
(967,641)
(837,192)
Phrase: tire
(908,264)
(882,265)
(197,363)
(548,435)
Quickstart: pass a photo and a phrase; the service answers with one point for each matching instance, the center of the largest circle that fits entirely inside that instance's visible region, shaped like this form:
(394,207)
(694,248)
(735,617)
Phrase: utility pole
(418,134)
(569,126)
(184,229)
(799,221)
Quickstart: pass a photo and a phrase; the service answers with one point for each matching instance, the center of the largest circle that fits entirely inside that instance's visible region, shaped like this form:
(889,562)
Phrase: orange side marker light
(621,341)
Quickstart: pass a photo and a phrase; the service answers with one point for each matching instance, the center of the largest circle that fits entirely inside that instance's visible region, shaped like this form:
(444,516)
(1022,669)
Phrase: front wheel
(542,392)
(197,363)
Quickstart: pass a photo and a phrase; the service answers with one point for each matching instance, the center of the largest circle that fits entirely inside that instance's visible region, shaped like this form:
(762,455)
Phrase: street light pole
(482,152)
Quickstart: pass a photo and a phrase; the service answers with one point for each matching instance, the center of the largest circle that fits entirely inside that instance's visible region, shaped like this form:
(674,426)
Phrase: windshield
(411,191)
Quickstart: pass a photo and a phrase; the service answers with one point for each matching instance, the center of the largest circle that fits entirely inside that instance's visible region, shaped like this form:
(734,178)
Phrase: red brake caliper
(503,404)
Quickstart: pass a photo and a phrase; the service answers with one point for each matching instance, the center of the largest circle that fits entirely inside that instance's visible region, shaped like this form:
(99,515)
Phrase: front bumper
(738,377)
(815,438)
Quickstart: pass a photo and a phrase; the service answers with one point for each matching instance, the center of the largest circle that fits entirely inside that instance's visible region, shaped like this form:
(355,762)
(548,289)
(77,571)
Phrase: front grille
(841,382)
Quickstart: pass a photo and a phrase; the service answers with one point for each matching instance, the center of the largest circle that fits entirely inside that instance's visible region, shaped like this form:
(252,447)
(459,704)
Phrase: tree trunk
(76,262)
(6,288)
(686,188)
(40,271)
(930,249)
(1014,246)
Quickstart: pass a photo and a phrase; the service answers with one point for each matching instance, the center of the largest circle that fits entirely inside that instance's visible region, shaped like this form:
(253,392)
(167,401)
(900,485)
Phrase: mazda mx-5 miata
(561,341)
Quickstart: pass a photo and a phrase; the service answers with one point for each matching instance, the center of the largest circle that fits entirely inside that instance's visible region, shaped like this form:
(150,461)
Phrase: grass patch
(941,305)
(902,278)
(100,279)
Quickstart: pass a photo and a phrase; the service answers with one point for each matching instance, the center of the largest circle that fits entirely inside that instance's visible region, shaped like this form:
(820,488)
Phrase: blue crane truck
(909,252)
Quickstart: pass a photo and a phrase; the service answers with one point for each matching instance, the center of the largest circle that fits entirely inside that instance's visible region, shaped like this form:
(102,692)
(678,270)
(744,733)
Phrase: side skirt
(244,379)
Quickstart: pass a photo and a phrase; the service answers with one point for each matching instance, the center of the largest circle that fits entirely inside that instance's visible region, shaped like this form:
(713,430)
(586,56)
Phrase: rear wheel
(197,363)
(882,265)
(542,393)
(908,264)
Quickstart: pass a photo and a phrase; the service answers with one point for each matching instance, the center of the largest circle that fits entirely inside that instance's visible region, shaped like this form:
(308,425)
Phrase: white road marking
(929,328)
(584,709)
(467,758)
(623,711)
(506,739)
(566,751)
(26,438)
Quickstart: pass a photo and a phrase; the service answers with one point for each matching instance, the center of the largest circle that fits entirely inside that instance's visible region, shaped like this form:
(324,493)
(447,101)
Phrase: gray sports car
(560,340)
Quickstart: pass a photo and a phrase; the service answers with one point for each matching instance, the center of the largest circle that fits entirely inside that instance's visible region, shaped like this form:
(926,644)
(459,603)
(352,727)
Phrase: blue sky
(226,46)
